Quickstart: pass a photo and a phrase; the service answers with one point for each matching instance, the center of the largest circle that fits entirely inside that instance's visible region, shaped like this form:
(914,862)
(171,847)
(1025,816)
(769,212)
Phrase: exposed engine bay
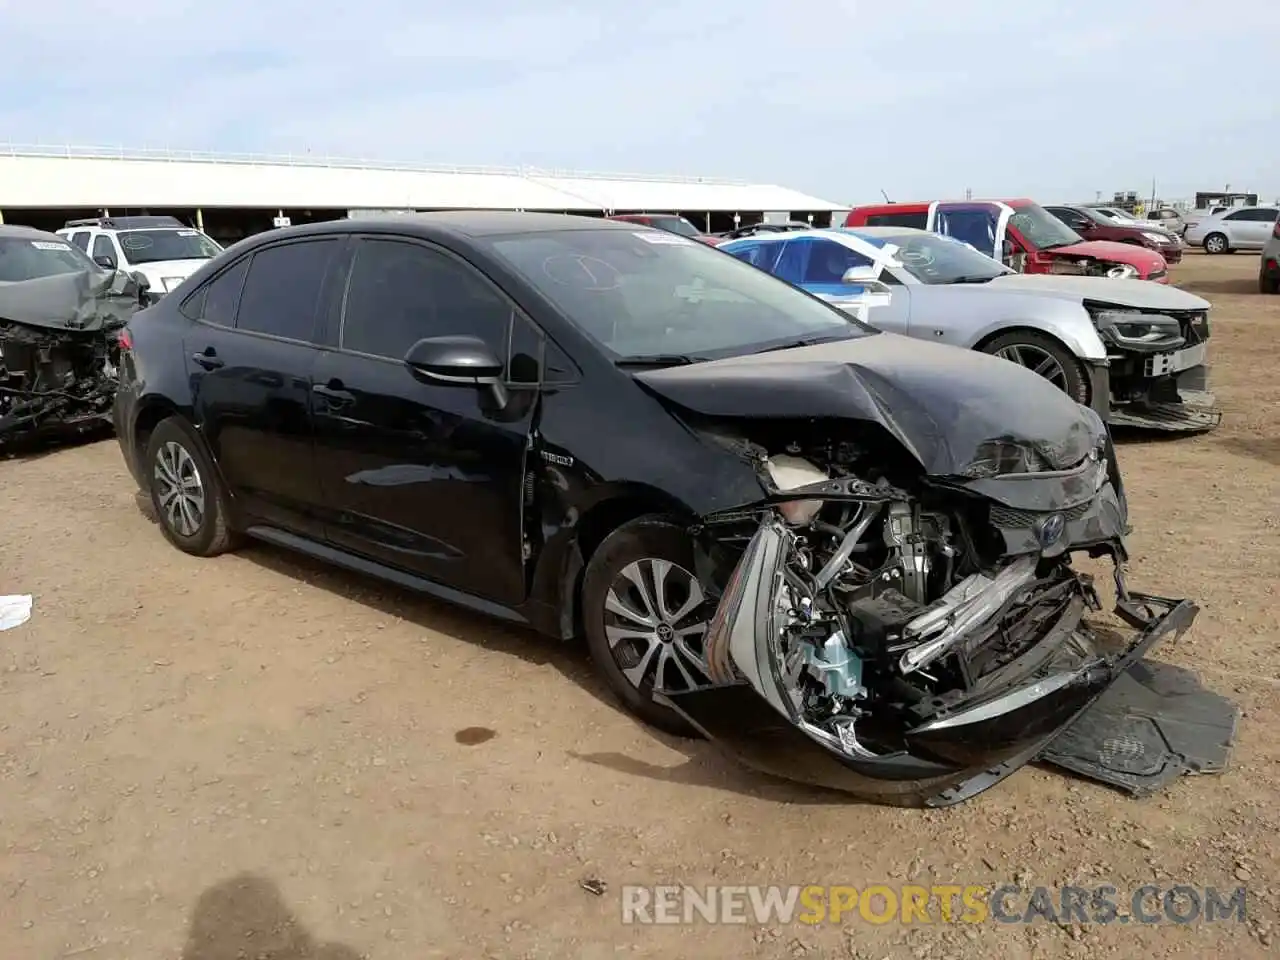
(920,629)
(59,352)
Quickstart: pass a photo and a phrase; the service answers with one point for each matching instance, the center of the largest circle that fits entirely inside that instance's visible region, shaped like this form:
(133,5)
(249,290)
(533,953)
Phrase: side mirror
(460,361)
(141,280)
(860,275)
(106,263)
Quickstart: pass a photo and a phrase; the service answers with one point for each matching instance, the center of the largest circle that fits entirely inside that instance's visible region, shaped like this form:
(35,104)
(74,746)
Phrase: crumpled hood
(1126,293)
(941,403)
(85,300)
(1109,250)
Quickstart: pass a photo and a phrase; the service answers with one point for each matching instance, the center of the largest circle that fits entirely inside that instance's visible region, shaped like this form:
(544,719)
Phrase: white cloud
(837,97)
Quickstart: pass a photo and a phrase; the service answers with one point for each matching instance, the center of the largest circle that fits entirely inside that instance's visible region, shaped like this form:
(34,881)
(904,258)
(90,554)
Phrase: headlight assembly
(1138,331)
(1156,237)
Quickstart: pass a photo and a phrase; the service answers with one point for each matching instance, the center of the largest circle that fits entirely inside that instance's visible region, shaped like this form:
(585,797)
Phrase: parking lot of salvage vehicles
(406,775)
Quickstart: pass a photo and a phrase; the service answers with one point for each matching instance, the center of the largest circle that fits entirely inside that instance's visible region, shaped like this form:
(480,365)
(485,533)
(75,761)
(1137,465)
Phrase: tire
(1216,243)
(1268,282)
(633,548)
(174,449)
(1073,381)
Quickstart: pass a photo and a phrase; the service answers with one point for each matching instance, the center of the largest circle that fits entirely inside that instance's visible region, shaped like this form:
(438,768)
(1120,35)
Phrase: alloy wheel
(180,489)
(1038,361)
(1215,244)
(656,623)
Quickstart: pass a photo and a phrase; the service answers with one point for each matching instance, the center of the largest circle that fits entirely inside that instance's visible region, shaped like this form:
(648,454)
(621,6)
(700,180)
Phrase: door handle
(208,358)
(334,396)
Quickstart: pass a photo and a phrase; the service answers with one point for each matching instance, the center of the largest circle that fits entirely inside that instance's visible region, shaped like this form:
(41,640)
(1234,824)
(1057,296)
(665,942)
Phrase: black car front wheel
(1045,356)
(645,617)
(188,497)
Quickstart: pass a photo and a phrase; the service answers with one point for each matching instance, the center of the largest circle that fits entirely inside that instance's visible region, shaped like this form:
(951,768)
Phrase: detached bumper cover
(1197,413)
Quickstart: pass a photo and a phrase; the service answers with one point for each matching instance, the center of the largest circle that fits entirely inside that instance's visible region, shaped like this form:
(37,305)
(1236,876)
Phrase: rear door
(981,224)
(250,356)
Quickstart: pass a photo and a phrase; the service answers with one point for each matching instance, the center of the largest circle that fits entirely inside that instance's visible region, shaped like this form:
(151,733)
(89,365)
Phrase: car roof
(28,233)
(463,223)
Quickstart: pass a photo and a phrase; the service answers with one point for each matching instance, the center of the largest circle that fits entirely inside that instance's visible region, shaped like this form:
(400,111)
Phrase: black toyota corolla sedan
(843,555)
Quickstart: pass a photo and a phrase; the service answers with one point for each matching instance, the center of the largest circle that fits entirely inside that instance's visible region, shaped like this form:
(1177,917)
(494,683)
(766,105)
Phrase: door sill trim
(381,571)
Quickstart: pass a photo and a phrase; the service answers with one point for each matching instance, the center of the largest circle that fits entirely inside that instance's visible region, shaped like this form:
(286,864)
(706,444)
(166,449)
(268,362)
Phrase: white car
(162,249)
(1239,228)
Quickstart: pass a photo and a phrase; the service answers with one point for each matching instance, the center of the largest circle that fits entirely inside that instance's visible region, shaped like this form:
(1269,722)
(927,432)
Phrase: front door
(420,476)
(981,224)
(249,360)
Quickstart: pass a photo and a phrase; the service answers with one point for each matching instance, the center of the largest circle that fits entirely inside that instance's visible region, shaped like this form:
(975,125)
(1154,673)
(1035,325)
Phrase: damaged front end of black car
(59,351)
(913,636)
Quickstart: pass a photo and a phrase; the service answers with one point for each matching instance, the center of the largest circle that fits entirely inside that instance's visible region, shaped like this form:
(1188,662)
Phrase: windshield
(934,258)
(152,246)
(1041,229)
(22,258)
(677,225)
(642,294)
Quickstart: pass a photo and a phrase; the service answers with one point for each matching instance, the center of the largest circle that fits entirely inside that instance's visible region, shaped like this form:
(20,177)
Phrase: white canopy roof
(95,178)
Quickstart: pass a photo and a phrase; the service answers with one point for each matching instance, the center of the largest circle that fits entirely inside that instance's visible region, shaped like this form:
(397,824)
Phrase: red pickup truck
(1020,233)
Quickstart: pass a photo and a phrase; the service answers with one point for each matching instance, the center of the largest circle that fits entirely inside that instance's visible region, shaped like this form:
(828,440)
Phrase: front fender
(1074,330)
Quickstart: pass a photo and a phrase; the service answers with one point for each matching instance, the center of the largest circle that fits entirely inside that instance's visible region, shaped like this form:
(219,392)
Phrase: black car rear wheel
(189,500)
(645,618)
(1269,281)
(1045,356)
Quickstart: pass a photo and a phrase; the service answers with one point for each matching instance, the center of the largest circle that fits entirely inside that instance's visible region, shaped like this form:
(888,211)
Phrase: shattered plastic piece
(14,611)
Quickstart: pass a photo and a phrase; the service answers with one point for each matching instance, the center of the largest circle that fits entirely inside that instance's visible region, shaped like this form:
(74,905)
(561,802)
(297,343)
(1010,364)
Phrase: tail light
(125,339)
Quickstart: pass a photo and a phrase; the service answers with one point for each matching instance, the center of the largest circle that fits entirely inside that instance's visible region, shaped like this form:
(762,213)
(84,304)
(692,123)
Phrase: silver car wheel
(656,623)
(179,489)
(1215,243)
(1037,361)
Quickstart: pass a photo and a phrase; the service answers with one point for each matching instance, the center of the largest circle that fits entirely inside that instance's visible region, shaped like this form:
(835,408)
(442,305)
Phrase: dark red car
(1093,225)
(1020,233)
(670,222)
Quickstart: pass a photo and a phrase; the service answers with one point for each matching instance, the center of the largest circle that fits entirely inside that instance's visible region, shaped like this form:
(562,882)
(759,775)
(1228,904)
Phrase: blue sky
(920,98)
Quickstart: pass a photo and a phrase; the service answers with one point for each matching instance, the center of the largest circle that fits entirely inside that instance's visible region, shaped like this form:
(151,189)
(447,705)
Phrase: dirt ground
(258,757)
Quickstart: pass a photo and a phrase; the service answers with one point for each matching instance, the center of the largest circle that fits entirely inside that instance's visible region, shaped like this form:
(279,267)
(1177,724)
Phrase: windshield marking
(659,236)
(48,245)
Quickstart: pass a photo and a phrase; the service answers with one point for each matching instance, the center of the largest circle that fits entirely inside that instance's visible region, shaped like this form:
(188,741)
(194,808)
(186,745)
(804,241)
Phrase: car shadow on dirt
(246,916)
(569,658)
(705,766)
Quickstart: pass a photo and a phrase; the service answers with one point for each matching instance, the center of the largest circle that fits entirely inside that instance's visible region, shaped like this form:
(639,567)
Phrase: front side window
(640,294)
(104,251)
(829,260)
(402,292)
(22,258)
(282,291)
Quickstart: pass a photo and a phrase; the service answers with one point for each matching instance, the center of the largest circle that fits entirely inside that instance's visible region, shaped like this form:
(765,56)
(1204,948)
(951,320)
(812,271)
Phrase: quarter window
(402,292)
(282,292)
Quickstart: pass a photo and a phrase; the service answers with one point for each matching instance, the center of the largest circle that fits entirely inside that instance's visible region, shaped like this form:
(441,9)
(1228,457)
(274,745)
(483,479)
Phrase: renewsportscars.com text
(939,903)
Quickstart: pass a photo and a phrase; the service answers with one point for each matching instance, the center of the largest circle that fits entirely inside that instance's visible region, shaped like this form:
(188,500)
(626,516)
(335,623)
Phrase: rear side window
(917,220)
(282,292)
(217,300)
(81,239)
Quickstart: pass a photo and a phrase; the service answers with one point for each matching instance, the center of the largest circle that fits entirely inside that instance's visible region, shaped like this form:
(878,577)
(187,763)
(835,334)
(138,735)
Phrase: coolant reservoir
(788,473)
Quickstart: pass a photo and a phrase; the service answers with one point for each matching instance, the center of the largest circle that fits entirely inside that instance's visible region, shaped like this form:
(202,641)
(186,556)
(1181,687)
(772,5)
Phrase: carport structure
(231,196)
